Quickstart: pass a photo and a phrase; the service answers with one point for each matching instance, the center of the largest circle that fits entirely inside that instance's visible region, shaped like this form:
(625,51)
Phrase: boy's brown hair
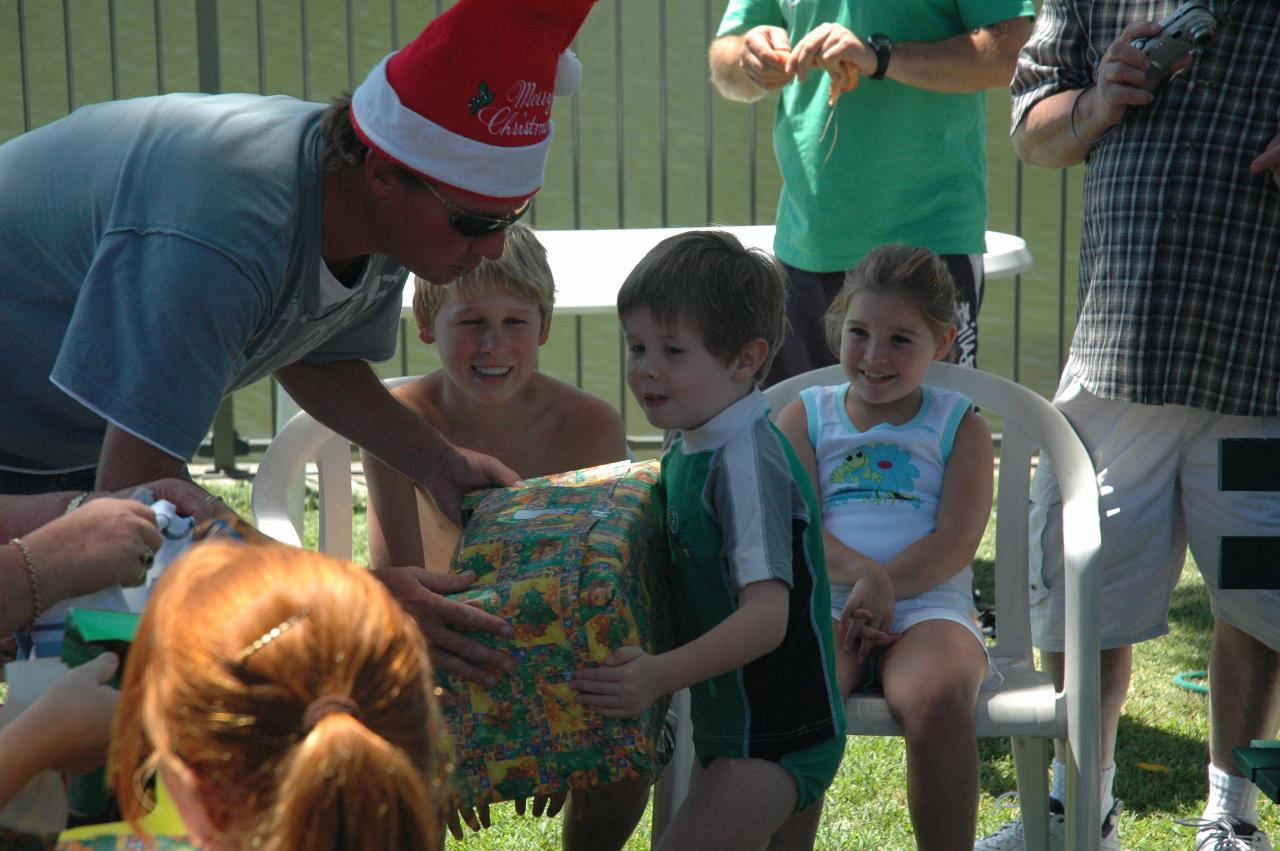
(915,275)
(732,294)
(522,272)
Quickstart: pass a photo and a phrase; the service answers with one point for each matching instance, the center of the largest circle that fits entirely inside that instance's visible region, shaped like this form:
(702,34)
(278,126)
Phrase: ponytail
(296,691)
(345,788)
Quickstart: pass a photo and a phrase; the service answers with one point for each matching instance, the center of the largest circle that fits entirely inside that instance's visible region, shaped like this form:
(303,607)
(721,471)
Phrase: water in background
(646,143)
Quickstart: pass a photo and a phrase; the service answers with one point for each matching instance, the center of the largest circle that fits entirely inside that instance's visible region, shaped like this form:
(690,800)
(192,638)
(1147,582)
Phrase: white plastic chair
(1025,708)
(278,485)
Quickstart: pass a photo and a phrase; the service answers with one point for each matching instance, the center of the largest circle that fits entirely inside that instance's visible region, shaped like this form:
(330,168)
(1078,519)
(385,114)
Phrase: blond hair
(916,275)
(731,294)
(522,272)
(239,660)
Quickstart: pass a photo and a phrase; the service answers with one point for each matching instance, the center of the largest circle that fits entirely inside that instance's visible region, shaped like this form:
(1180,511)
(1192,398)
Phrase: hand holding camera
(1144,54)
(1188,27)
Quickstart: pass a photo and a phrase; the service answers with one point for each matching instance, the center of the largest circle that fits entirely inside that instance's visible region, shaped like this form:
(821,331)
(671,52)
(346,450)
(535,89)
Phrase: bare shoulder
(423,397)
(972,448)
(792,413)
(598,433)
(793,421)
(567,402)
(973,428)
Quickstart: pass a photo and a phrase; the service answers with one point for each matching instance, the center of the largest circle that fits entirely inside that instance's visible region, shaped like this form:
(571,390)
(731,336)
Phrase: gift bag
(576,562)
(89,634)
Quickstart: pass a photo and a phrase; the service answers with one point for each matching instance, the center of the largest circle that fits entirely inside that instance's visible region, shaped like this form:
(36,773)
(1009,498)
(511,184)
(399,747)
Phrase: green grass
(1161,752)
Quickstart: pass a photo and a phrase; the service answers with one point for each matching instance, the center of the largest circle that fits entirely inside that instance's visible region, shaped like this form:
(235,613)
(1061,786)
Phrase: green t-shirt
(895,163)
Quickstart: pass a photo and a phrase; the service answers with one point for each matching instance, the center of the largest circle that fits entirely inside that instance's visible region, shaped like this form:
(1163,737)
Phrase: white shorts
(936,604)
(1158,476)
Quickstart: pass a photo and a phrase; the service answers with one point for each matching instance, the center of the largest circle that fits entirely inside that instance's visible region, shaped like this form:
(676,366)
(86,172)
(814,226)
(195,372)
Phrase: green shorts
(813,769)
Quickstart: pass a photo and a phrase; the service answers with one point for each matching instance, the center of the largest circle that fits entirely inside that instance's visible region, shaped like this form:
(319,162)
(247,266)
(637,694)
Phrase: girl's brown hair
(915,275)
(295,690)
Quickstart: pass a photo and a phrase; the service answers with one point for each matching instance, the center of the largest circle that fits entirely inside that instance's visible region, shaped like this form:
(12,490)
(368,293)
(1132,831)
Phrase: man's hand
(348,397)
(444,621)
(1121,83)
(461,471)
(626,684)
(190,499)
(764,57)
(827,46)
(1269,161)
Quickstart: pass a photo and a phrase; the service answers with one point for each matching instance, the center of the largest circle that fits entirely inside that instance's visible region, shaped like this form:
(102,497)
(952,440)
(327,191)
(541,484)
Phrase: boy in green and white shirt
(701,316)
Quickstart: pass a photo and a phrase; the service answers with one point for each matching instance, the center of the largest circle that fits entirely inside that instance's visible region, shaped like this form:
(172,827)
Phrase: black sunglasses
(473,225)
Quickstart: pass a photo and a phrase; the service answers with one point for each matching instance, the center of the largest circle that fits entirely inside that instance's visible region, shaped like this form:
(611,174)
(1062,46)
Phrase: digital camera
(1191,25)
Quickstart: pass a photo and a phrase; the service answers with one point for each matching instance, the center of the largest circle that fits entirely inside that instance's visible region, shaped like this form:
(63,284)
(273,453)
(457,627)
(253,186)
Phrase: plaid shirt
(1180,244)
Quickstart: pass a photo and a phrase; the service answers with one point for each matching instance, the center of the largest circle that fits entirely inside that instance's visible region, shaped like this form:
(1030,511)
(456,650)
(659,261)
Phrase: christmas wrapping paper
(576,562)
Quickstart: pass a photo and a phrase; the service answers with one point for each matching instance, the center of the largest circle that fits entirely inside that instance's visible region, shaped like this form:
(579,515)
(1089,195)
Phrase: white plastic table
(590,265)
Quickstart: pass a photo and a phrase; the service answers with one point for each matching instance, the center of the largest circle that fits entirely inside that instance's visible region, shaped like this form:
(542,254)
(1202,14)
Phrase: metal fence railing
(646,142)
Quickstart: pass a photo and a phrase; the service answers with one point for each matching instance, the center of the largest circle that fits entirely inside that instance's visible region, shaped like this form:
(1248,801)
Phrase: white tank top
(879,488)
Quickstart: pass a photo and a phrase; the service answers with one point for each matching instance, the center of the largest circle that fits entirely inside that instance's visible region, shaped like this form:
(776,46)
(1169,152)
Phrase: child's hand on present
(445,622)
(477,819)
(626,684)
(550,804)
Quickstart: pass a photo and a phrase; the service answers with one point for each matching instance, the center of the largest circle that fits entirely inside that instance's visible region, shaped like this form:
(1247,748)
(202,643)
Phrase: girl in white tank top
(904,476)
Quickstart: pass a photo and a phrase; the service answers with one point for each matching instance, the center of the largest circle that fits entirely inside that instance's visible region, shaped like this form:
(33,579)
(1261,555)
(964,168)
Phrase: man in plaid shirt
(1177,346)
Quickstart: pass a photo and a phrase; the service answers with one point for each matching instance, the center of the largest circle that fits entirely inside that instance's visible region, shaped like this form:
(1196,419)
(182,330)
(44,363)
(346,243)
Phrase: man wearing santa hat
(159,253)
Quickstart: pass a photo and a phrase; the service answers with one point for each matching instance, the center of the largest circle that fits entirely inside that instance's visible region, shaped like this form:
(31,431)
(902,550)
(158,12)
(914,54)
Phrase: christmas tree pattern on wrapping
(576,563)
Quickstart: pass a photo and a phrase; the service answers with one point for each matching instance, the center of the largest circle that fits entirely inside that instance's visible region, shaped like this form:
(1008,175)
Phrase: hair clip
(272,634)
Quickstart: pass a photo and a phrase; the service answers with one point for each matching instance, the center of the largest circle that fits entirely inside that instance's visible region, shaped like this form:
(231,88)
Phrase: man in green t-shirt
(901,159)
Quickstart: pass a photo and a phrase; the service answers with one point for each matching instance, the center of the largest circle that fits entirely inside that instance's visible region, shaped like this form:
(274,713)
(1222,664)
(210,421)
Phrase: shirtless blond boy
(489,397)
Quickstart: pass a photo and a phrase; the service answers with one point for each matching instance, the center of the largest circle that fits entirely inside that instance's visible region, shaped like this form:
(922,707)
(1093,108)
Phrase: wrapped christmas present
(576,562)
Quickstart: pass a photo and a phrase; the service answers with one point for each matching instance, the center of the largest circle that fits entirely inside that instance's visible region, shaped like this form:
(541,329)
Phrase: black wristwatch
(883,46)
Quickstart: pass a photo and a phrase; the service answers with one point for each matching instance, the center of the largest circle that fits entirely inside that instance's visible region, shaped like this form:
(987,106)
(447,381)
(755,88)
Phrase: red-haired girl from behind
(286,701)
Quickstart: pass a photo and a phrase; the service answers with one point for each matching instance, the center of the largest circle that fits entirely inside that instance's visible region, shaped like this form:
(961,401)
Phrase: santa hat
(468,102)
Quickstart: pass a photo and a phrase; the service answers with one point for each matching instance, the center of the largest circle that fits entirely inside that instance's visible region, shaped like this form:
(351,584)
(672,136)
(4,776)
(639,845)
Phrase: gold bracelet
(76,501)
(37,605)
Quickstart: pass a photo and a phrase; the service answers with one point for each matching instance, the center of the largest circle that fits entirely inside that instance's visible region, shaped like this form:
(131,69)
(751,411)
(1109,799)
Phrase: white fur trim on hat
(426,147)
(568,74)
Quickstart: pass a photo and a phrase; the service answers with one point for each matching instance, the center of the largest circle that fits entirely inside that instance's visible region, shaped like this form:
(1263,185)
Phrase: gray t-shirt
(156,254)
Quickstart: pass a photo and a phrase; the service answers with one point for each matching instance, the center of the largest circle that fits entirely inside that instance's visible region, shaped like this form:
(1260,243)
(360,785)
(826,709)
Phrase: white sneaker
(1010,837)
(1227,834)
